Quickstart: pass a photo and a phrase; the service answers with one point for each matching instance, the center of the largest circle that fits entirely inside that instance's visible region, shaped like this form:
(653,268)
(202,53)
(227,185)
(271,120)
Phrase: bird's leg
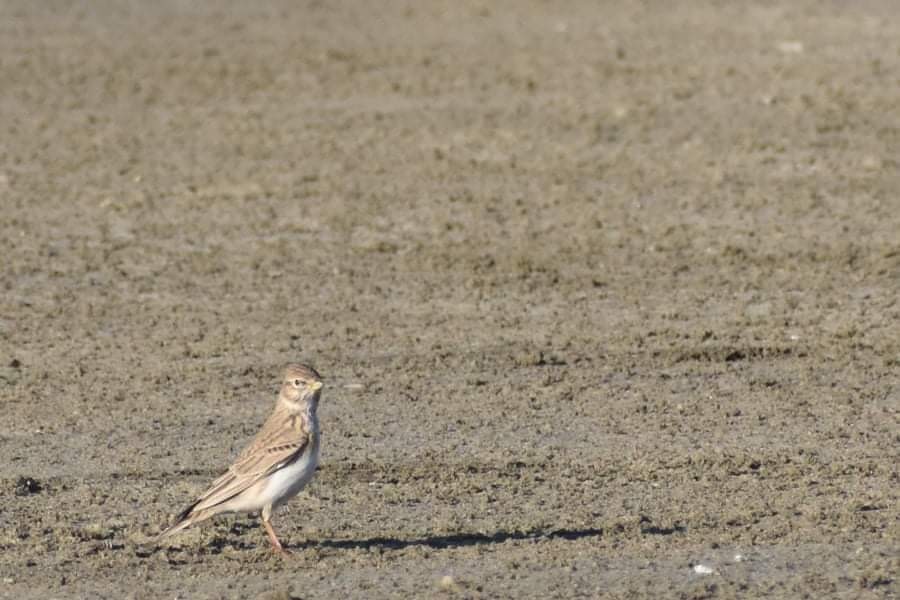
(276,545)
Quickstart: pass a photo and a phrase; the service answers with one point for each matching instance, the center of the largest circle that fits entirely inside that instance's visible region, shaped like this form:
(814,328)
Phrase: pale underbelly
(278,488)
(286,482)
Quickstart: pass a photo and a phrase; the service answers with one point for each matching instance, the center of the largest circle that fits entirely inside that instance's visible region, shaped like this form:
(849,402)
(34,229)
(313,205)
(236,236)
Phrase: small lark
(277,464)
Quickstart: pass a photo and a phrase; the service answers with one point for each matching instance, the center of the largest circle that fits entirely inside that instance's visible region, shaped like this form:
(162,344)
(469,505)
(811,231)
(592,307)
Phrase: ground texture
(606,296)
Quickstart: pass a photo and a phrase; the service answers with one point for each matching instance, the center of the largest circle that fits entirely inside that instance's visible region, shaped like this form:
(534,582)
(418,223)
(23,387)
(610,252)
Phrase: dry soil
(605,295)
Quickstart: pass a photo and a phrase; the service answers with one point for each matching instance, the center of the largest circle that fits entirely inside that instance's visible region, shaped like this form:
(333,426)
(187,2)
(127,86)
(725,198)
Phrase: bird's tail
(185,519)
(173,530)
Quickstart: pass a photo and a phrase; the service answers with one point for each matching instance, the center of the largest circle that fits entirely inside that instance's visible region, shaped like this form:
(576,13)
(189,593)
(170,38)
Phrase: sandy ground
(606,296)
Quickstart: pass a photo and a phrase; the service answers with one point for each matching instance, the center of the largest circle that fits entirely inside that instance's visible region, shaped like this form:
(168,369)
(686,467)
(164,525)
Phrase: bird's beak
(315,385)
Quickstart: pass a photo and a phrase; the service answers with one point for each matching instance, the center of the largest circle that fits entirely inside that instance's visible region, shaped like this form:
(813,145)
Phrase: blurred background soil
(605,294)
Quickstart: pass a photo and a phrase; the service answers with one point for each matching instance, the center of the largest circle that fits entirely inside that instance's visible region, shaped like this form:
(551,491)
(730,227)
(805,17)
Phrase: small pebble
(791,47)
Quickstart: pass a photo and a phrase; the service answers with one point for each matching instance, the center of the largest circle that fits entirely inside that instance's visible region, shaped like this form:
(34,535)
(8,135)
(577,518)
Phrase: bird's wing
(279,442)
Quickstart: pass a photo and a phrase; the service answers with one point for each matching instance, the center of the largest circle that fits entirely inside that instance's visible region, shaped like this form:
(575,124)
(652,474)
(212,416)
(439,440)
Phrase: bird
(274,466)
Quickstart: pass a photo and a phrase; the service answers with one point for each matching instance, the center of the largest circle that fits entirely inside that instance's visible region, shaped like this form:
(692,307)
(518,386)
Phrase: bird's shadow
(456,540)
(460,540)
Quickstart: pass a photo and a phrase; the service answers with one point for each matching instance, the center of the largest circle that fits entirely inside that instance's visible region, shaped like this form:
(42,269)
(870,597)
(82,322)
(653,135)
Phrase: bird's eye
(296,383)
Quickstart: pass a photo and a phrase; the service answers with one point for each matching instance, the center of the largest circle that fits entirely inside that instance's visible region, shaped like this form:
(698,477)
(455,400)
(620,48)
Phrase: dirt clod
(26,486)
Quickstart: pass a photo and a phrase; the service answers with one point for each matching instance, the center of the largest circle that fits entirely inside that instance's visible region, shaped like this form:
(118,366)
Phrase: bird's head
(301,386)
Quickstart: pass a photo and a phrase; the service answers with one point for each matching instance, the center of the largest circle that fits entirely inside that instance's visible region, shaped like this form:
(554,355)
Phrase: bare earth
(606,296)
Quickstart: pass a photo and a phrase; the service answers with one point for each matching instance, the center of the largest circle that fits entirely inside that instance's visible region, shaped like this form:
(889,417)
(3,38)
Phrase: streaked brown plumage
(277,463)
